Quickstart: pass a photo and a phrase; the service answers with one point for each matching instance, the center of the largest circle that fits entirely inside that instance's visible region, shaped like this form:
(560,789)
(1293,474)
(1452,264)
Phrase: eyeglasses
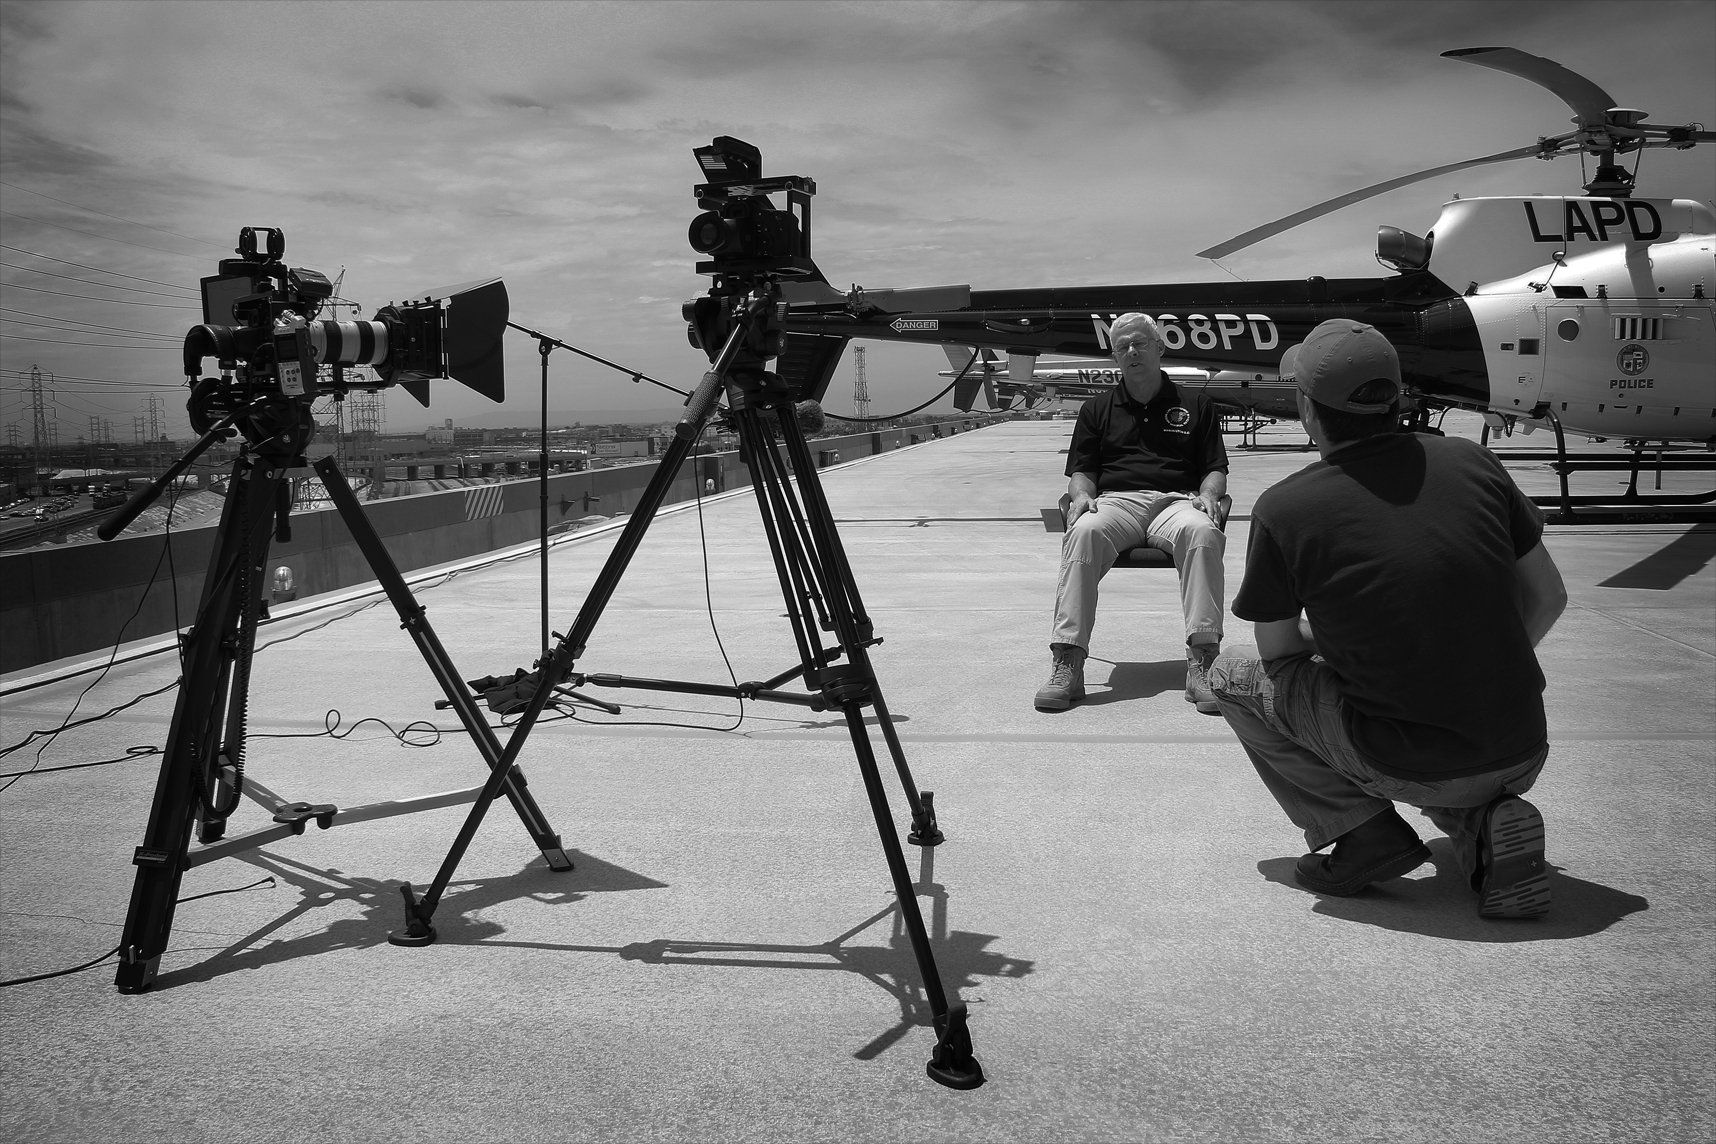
(1144,341)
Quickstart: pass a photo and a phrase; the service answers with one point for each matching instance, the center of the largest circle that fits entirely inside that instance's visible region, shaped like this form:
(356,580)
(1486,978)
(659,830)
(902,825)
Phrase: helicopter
(1588,313)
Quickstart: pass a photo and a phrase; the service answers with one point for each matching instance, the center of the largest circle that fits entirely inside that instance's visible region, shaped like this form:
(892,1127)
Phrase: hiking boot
(1066,682)
(1376,850)
(1198,660)
(1512,879)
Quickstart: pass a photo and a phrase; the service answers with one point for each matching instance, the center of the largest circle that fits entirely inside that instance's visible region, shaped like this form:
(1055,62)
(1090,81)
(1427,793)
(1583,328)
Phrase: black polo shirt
(1167,446)
(1403,552)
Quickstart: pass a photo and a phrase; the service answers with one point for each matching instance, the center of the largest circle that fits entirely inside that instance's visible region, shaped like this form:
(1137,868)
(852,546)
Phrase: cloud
(1001,144)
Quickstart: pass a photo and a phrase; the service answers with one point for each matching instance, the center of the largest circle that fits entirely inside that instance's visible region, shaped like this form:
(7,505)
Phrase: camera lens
(708,232)
(348,343)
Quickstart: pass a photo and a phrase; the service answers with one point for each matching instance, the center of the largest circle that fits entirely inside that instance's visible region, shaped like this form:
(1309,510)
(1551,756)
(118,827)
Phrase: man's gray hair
(1135,319)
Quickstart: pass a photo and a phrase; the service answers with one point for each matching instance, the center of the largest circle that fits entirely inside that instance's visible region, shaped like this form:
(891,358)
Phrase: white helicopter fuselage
(1611,328)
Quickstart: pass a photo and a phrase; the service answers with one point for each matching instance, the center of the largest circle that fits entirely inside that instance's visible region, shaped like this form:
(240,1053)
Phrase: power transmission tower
(41,437)
(860,387)
(155,418)
(14,435)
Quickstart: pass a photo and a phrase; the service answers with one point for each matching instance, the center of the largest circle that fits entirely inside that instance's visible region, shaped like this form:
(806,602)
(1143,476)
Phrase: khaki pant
(1123,521)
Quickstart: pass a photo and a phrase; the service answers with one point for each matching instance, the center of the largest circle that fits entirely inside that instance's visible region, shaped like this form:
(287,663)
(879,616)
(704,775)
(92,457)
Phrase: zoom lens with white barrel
(348,343)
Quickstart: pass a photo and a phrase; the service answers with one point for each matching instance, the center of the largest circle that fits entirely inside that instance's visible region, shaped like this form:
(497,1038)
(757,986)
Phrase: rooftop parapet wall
(78,599)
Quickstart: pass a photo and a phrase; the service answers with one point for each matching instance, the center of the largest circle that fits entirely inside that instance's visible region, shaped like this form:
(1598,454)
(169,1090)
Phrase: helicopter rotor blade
(1541,149)
(1590,102)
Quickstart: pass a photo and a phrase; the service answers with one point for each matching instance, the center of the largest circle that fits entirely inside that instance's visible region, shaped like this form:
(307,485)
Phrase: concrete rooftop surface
(1114,900)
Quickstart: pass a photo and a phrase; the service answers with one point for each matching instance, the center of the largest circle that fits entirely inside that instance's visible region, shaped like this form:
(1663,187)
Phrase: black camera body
(743,232)
(753,245)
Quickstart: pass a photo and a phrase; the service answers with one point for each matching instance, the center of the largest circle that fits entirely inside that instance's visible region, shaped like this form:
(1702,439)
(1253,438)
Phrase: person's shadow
(1445,907)
(1127,681)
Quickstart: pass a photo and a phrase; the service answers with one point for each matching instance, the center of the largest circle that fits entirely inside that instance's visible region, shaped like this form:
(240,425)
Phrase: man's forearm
(1213,486)
(1082,484)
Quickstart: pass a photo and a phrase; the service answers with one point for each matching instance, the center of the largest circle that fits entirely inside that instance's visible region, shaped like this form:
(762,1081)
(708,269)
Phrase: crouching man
(1398,587)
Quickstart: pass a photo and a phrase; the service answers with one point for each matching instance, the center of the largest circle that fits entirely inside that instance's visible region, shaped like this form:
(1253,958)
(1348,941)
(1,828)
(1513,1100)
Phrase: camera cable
(268,881)
(915,408)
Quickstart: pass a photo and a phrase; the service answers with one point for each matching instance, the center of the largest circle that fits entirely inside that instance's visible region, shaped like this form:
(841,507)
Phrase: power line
(104,214)
(116,381)
(97,269)
(80,322)
(92,234)
(96,331)
(89,298)
(188,293)
(91,345)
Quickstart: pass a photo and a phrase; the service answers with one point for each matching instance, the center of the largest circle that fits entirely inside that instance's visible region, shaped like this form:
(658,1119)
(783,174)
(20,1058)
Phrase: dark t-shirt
(1401,550)
(1167,445)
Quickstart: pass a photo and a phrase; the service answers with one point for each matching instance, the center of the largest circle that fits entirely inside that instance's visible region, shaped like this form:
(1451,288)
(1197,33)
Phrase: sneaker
(1376,850)
(1512,879)
(1198,660)
(1066,680)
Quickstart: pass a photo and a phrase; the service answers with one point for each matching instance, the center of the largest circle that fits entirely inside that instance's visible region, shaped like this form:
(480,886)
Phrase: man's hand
(1081,489)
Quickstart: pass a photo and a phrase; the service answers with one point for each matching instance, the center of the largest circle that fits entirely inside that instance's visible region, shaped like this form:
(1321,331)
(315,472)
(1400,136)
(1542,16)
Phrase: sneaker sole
(1516,877)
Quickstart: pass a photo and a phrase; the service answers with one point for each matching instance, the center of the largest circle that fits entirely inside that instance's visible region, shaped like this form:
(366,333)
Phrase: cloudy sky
(999,144)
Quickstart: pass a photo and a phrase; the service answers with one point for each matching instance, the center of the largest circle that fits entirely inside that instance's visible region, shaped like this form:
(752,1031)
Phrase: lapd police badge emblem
(1178,417)
(1633,359)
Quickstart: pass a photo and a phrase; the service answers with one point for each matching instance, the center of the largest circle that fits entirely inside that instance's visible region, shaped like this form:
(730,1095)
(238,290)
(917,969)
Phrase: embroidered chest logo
(1178,418)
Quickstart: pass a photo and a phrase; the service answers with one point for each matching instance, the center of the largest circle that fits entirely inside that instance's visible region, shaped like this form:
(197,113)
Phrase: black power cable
(268,881)
(915,408)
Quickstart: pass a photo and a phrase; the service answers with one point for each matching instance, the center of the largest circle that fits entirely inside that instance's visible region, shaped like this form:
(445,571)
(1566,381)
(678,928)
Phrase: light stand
(546,345)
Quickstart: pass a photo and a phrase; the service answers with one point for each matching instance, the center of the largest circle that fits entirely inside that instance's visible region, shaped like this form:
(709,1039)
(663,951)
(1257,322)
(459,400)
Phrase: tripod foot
(417,931)
(951,1063)
(924,830)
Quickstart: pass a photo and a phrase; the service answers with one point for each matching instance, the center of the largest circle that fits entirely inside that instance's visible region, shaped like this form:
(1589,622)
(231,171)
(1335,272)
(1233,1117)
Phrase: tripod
(202,768)
(820,596)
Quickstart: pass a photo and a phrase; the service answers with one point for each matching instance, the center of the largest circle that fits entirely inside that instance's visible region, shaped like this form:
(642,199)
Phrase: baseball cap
(1339,356)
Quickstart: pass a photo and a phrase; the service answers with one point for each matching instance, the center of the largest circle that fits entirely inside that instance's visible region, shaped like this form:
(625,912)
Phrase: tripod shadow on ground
(1444,906)
(383,909)
(962,957)
(1128,681)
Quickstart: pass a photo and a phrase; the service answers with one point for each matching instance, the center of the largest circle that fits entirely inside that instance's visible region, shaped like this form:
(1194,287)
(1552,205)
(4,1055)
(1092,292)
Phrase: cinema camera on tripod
(276,358)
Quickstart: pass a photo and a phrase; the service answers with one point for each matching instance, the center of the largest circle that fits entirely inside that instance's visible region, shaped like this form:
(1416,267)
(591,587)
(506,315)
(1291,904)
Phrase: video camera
(260,321)
(752,245)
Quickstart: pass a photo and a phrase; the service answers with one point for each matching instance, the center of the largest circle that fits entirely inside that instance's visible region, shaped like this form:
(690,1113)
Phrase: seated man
(1420,570)
(1146,466)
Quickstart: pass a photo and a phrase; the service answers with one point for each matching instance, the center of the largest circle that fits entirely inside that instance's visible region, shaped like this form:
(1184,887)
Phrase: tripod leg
(842,592)
(952,1062)
(419,911)
(412,618)
(183,788)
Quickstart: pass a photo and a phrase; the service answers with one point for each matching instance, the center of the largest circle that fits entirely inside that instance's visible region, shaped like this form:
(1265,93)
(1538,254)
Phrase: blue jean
(1290,717)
